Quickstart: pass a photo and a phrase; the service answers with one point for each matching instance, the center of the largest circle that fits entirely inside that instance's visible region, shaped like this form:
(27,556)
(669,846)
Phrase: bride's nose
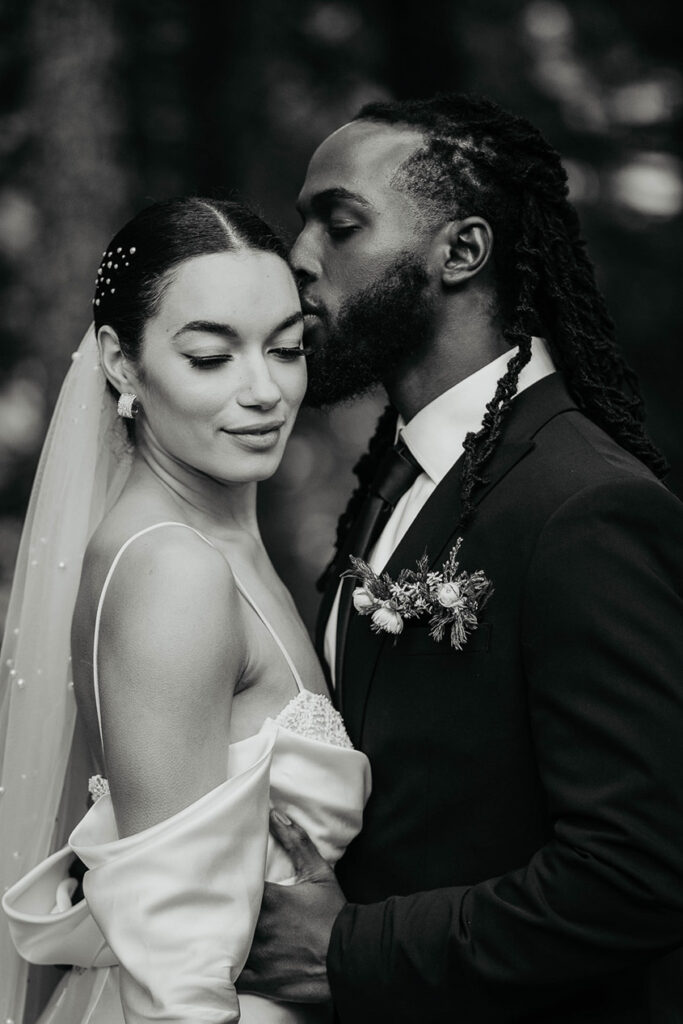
(257,387)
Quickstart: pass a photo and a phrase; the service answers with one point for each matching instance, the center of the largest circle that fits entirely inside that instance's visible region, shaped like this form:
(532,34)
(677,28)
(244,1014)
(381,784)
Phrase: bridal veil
(83,466)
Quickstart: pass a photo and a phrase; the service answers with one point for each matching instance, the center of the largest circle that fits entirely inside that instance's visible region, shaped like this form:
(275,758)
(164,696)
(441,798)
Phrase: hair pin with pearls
(113,262)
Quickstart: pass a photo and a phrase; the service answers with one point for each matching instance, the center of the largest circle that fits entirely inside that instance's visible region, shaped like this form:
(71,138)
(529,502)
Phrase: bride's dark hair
(139,261)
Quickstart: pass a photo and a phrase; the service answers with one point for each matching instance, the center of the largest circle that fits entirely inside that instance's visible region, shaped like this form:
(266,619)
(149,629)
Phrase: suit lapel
(363,645)
(436,525)
(434,532)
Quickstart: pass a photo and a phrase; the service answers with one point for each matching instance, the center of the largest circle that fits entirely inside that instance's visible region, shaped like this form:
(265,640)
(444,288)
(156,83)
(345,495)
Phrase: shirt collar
(435,435)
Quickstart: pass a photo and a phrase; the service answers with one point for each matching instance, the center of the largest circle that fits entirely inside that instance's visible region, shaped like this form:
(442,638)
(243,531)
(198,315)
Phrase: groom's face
(361,261)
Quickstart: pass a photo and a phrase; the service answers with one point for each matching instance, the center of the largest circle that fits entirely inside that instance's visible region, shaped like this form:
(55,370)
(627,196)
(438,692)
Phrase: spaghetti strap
(124,547)
(240,586)
(249,599)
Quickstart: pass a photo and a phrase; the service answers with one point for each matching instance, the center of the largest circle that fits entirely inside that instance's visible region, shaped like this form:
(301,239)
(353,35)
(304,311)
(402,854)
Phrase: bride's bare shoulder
(152,554)
(171,617)
(164,570)
(172,601)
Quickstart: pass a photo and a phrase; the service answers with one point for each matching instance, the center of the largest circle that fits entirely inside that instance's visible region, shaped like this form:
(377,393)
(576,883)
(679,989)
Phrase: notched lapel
(432,533)
(435,531)
(436,525)
(363,645)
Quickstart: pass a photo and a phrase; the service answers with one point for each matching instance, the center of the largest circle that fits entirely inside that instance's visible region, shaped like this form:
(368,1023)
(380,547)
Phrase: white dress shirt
(435,436)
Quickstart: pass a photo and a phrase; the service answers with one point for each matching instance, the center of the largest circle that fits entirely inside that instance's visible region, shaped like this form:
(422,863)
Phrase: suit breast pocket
(415,639)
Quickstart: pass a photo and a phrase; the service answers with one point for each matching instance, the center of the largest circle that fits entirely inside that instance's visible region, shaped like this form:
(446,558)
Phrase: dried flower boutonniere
(452,599)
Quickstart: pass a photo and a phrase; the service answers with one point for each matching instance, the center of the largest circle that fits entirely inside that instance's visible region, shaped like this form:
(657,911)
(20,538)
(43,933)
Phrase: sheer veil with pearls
(84,463)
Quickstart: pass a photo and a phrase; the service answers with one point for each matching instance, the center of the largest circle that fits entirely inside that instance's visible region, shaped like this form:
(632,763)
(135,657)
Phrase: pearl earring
(127,406)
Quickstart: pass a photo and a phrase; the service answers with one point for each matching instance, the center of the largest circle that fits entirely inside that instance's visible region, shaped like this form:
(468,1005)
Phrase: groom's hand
(287,958)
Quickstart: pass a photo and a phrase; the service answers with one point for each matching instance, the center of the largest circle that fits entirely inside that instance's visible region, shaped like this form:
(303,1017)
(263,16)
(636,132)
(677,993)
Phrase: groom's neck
(456,352)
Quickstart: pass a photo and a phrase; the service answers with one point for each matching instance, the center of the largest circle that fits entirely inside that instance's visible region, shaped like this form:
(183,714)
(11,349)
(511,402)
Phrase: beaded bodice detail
(97,786)
(312,715)
(309,715)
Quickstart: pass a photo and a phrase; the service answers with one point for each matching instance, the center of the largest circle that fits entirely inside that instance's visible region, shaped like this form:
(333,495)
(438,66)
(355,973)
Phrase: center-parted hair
(139,261)
(479,159)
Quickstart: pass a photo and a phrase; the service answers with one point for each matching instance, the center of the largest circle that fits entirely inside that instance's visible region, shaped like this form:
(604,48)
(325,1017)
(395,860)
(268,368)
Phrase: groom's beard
(376,331)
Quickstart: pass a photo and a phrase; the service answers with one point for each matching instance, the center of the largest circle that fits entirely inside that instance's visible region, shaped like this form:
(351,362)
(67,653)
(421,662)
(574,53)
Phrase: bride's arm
(171,649)
(176,887)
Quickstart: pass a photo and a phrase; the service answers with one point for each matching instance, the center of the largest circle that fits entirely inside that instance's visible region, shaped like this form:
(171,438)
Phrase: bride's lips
(257,435)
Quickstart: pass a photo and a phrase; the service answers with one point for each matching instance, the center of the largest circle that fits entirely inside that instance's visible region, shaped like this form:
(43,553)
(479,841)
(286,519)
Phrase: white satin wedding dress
(175,906)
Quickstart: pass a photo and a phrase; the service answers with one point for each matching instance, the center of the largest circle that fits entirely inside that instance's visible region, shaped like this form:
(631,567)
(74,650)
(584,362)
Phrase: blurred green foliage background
(106,106)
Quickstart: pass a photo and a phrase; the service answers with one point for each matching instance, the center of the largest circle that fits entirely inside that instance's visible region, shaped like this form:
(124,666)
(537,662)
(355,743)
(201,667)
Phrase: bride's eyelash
(290,353)
(206,362)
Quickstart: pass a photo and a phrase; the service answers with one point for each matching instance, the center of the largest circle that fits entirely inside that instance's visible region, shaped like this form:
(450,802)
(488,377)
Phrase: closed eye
(341,230)
(207,362)
(289,353)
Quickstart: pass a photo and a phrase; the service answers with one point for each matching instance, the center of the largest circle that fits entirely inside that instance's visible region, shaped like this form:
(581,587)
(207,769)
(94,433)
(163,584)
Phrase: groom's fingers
(308,863)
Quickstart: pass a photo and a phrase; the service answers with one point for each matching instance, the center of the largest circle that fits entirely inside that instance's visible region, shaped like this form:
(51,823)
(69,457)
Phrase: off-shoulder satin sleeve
(178,902)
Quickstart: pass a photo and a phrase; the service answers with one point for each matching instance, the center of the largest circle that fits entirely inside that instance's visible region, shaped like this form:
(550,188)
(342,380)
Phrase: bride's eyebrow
(207,327)
(226,331)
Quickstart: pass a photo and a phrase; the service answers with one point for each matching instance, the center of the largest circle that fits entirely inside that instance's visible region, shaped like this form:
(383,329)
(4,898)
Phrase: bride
(187,656)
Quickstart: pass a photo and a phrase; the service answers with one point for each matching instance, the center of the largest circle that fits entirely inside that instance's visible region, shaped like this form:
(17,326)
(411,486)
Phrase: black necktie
(397,471)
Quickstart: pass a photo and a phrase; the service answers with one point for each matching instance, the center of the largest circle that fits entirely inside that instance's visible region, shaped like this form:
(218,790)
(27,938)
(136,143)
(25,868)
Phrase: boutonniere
(451,598)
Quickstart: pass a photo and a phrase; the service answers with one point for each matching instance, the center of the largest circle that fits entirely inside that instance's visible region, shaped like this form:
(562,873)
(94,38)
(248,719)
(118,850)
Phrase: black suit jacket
(521,857)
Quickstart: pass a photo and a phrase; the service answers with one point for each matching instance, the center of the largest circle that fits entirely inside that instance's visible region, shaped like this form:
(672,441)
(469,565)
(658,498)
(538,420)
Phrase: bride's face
(222,372)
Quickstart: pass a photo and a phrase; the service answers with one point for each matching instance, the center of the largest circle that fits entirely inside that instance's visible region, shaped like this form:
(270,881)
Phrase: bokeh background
(106,106)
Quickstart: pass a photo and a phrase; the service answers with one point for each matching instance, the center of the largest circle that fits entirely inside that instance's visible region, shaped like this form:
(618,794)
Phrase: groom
(522,852)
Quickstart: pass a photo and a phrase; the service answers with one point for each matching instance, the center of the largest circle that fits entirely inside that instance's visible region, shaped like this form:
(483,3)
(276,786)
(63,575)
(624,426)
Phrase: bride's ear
(116,367)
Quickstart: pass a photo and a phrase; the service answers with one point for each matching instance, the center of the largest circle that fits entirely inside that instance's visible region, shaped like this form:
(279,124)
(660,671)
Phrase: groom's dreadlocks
(480,159)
